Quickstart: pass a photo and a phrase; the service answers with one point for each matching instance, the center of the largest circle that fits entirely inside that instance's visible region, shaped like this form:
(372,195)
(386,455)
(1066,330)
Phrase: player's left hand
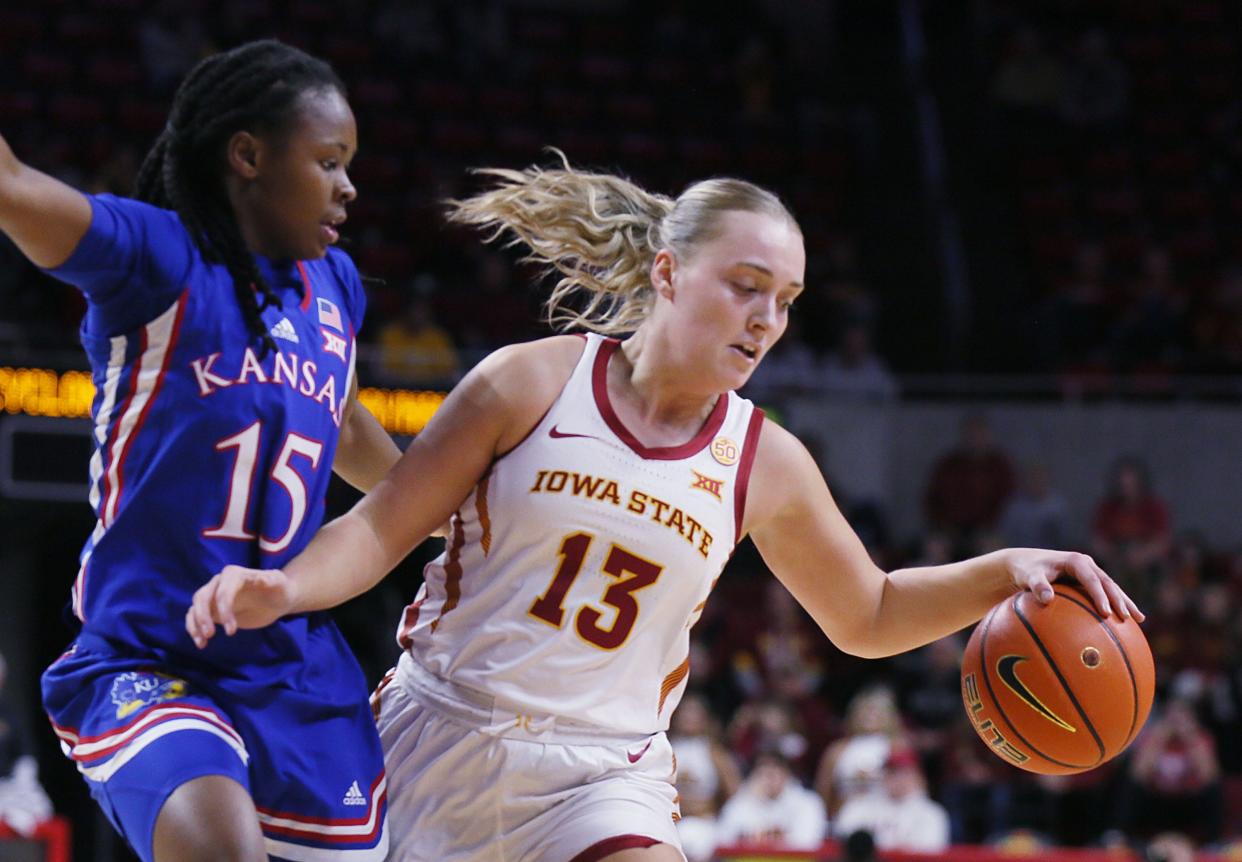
(1034,569)
(238,598)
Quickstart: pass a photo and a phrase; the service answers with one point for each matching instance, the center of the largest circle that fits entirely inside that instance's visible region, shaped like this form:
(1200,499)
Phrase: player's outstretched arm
(812,549)
(42,215)
(486,415)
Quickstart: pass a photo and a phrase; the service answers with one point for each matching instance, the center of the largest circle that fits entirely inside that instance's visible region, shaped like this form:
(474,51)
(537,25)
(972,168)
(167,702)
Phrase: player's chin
(732,379)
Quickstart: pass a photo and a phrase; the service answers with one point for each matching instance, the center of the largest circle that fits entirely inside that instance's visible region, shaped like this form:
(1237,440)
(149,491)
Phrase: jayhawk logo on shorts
(134,690)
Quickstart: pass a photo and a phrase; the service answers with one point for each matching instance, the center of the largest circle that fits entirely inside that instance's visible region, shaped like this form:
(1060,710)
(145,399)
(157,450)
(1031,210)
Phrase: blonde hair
(601,233)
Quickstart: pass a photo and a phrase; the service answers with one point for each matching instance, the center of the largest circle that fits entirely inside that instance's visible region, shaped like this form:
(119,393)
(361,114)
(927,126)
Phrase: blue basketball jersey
(207,450)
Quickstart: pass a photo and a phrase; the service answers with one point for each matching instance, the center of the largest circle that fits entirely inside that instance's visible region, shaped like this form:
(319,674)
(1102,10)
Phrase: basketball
(1057,689)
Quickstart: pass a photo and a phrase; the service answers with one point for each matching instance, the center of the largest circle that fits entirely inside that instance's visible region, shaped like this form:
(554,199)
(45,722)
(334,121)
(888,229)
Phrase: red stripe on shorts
(614,845)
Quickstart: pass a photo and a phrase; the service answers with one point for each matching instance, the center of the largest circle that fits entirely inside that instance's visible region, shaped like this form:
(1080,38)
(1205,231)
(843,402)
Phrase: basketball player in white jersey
(596,489)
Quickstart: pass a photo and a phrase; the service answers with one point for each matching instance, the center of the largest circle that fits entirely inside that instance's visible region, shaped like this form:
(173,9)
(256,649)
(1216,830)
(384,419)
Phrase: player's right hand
(238,598)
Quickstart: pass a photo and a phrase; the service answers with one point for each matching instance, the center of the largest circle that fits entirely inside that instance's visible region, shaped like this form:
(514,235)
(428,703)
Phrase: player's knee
(214,848)
(209,819)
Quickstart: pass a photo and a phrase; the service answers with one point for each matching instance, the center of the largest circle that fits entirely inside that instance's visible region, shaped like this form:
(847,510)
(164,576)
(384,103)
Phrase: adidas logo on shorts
(353,796)
(285,330)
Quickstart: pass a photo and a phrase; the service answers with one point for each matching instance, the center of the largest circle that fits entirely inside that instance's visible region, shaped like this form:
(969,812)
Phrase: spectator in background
(1037,516)
(1029,79)
(1148,334)
(171,39)
(970,484)
(23,803)
(1130,531)
(1169,847)
(1079,314)
(707,775)
(414,349)
(773,809)
(854,765)
(764,724)
(1096,89)
(900,816)
(854,371)
(977,789)
(491,312)
(1174,779)
(1168,625)
(932,700)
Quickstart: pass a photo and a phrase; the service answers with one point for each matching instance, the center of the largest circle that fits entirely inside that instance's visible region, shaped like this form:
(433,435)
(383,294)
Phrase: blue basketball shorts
(310,760)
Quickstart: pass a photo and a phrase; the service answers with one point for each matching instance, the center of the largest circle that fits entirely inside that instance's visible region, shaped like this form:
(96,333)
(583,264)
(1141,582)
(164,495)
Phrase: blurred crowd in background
(894,733)
(1095,149)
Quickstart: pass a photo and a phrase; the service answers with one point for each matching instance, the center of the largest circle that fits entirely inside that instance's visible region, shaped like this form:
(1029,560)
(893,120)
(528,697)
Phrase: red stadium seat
(75,112)
(570,107)
(507,102)
(86,31)
(141,117)
(458,136)
(519,144)
(45,68)
(1120,204)
(1184,205)
(1043,206)
(114,72)
(1174,165)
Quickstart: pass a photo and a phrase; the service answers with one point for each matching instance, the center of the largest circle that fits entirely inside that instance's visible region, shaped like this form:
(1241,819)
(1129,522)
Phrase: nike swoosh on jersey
(634,758)
(1007,670)
(560,435)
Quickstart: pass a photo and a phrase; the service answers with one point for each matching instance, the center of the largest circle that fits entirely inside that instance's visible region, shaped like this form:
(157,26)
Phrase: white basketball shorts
(468,782)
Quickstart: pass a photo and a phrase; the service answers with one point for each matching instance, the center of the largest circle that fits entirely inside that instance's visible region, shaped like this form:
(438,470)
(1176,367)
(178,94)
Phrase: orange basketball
(1057,688)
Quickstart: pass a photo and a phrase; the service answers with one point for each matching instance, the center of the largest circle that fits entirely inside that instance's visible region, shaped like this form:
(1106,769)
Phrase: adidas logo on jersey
(285,330)
(353,796)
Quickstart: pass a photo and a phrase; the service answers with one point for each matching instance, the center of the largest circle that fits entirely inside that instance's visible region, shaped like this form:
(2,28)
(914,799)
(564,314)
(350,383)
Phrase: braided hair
(254,87)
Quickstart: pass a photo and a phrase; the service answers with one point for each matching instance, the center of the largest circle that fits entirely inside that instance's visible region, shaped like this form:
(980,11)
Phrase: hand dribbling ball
(1057,688)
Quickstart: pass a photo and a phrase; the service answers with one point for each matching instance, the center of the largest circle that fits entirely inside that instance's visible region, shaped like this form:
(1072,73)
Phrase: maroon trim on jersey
(306,294)
(674,678)
(376,699)
(452,571)
(599,385)
(535,427)
(742,482)
(614,845)
(480,507)
(409,619)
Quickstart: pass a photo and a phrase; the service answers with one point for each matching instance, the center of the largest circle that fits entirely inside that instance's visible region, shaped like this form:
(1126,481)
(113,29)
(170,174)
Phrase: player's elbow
(860,639)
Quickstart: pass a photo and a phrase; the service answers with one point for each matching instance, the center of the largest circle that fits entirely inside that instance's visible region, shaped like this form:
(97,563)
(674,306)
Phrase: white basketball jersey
(575,569)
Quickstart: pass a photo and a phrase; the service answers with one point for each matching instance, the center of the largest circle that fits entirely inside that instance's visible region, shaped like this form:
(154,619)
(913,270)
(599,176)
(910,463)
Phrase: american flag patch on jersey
(329,314)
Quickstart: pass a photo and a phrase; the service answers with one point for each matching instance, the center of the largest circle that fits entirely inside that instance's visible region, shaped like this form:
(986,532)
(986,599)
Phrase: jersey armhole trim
(749,447)
(306,294)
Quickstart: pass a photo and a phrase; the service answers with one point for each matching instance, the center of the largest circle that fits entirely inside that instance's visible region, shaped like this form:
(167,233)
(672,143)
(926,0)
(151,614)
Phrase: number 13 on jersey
(550,607)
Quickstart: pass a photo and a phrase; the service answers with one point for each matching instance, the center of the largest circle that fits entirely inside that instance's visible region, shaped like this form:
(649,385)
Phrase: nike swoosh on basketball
(560,435)
(1007,670)
(634,758)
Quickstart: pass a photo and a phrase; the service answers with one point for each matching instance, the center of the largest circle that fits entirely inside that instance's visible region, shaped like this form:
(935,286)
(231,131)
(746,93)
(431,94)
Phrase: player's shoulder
(345,273)
(779,451)
(534,365)
(133,209)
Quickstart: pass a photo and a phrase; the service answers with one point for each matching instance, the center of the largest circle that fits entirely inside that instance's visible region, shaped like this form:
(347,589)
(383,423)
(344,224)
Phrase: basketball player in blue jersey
(220,328)
(597,487)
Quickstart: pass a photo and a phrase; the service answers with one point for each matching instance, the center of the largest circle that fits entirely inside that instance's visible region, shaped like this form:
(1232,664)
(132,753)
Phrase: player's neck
(651,393)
